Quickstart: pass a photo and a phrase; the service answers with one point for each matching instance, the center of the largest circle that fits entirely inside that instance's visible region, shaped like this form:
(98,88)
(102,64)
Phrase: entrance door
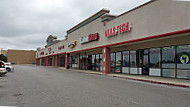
(145,65)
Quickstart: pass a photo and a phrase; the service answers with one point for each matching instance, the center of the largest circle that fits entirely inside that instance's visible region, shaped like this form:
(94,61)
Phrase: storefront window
(50,61)
(183,61)
(168,57)
(118,62)
(97,62)
(168,61)
(43,62)
(101,62)
(126,59)
(118,59)
(85,60)
(93,62)
(74,61)
(155,58)
(93,59)
(133,59)
(112,62)
(81,62)
(61,60)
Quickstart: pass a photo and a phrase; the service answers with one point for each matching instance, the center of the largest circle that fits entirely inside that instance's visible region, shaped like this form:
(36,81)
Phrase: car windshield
(7,64)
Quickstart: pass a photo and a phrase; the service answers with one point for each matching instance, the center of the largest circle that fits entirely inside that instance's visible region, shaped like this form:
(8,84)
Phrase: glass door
(145,65)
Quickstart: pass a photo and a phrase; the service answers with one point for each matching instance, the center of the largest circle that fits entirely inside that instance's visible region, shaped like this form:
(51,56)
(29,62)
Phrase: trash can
(67,67)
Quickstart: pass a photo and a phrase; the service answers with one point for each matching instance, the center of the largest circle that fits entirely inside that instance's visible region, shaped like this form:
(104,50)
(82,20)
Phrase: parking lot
(35,86)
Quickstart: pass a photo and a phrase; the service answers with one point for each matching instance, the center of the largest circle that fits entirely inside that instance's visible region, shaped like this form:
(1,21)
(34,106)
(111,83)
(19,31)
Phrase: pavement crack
(18,94)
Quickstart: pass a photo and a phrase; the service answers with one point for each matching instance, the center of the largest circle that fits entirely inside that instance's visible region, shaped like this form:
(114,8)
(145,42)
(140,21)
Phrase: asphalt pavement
(35,86)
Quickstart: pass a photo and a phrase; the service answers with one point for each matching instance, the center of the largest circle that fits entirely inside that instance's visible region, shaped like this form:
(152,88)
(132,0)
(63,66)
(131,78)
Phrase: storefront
(74,61)
(138,42)
(61,60)
(91,62)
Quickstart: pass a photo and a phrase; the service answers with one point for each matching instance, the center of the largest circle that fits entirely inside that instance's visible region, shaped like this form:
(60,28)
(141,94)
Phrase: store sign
(42,53)
(61,47)
(73,44)
(184,59)
(49,49)
(89,38)
(126,27)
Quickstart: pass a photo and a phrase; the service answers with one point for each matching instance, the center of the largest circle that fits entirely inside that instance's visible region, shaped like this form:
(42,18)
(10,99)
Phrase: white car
(9,67)
(2,69)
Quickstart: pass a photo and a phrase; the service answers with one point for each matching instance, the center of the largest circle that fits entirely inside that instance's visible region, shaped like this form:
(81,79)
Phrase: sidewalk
(144,78)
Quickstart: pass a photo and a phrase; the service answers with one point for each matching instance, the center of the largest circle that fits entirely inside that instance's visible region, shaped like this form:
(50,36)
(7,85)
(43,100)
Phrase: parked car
(2,69)
(9,67)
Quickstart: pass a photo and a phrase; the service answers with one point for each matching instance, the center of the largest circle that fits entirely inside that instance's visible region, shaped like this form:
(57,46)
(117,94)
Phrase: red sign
(42,53)
(126,27)
(61,47)
(93,37)
(49,49)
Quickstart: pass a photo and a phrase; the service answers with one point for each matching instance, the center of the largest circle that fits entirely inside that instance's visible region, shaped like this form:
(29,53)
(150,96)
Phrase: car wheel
(8,69)
(1,75)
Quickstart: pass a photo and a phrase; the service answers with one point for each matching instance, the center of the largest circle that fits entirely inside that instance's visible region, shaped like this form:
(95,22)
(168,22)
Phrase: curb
(157,82)
(143,80)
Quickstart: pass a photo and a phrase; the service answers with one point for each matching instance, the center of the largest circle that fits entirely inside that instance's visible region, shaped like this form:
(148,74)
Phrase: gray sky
(25,24)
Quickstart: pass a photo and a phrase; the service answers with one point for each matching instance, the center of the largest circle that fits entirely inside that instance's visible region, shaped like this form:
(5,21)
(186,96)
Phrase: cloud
(25,24)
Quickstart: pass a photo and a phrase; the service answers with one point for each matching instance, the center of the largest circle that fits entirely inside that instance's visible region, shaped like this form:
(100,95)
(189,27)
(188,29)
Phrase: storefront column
(56,61)
(53,60)
(47,61)
(67,57)
(106,64)
(78,61)
(36,61)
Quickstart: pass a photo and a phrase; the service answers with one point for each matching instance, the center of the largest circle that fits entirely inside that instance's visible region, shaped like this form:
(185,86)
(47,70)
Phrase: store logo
(42,53)
(61,47)
(126,27)
(89,38)
(184,59)
(73,44)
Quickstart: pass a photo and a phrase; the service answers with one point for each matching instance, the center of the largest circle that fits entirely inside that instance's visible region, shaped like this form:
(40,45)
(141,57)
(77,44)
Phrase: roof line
(88,20)
(135,8)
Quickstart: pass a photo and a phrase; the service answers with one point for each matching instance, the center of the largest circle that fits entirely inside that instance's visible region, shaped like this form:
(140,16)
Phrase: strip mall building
(152,39)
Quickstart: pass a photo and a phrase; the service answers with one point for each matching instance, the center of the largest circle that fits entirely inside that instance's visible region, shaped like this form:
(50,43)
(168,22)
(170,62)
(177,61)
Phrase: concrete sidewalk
(144,78)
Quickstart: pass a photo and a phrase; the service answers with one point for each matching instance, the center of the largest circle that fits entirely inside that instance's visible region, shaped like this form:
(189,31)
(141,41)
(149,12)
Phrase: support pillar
(106,63)
(36,61)
(47,61)
(67,57)
(53,60)
(79,61)
(56,61)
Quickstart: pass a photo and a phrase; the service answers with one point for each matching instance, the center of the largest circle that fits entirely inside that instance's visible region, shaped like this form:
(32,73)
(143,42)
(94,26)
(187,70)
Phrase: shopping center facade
(152,39)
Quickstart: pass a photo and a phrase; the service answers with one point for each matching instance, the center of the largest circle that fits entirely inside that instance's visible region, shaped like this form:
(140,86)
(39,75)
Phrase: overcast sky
(25,24)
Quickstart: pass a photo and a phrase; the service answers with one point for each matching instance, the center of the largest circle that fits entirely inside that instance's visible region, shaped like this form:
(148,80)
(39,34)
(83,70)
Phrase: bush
(3,58)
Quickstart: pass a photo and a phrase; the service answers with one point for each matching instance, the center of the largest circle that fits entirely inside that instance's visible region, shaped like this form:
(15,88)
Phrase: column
(106,60)
(53,60)
(37,62)
(56,60)
(79,61)
(47,61)
(67,57)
